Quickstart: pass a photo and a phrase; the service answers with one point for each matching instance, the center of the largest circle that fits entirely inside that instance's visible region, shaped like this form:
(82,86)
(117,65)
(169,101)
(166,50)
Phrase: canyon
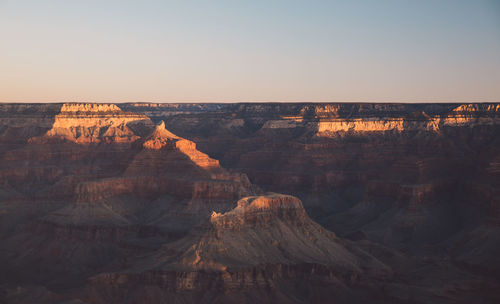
(250,202)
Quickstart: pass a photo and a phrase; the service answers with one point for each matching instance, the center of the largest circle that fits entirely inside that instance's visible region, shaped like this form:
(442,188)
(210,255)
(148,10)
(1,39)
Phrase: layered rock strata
(106,204)
(264,242)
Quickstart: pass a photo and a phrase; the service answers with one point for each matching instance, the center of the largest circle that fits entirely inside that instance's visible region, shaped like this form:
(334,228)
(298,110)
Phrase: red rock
(98,193)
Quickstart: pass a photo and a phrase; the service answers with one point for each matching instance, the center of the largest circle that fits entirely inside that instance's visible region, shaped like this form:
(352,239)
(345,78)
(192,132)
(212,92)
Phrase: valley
(245,203)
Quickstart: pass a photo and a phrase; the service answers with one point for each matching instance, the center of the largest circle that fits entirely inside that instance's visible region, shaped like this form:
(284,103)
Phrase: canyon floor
(250,202)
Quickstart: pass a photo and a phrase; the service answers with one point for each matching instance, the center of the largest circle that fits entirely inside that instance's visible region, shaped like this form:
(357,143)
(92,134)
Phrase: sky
(243,51)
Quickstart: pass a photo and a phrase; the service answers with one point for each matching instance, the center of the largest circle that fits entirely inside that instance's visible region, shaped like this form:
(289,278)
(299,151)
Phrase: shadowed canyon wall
(139,202)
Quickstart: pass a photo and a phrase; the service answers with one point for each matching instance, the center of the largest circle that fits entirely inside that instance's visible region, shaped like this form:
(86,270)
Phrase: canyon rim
(250,202)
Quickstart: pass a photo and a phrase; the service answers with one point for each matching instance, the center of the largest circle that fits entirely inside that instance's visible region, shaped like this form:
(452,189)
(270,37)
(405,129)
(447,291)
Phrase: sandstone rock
(150,215)
(262,242)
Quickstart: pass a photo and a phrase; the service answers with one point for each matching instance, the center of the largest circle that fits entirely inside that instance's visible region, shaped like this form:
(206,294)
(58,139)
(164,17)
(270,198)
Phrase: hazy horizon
(223,52)
(244,102)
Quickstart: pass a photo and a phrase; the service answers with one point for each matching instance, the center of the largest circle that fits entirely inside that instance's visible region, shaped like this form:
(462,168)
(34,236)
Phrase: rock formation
(153,203)
(264,242)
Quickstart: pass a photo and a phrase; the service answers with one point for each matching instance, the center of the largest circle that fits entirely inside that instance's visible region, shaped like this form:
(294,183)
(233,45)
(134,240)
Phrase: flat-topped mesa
(162,138)
(86,123)
(242,250)
(261,231)
(260,211)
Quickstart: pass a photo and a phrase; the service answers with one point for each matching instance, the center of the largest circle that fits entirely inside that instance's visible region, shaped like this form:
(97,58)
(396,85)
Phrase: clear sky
(209,51)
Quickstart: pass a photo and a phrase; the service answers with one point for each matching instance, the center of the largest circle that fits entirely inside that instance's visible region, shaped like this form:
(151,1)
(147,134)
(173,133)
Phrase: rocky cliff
(96,184)
(157,203)
(264,242)
(411,176)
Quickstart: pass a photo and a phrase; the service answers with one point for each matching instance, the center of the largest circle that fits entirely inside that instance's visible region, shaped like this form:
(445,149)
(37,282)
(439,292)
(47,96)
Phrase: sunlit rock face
(282,203)
(162,138)
(95,177)
(265,242)
(259,211)
(418,177)
(94,123)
